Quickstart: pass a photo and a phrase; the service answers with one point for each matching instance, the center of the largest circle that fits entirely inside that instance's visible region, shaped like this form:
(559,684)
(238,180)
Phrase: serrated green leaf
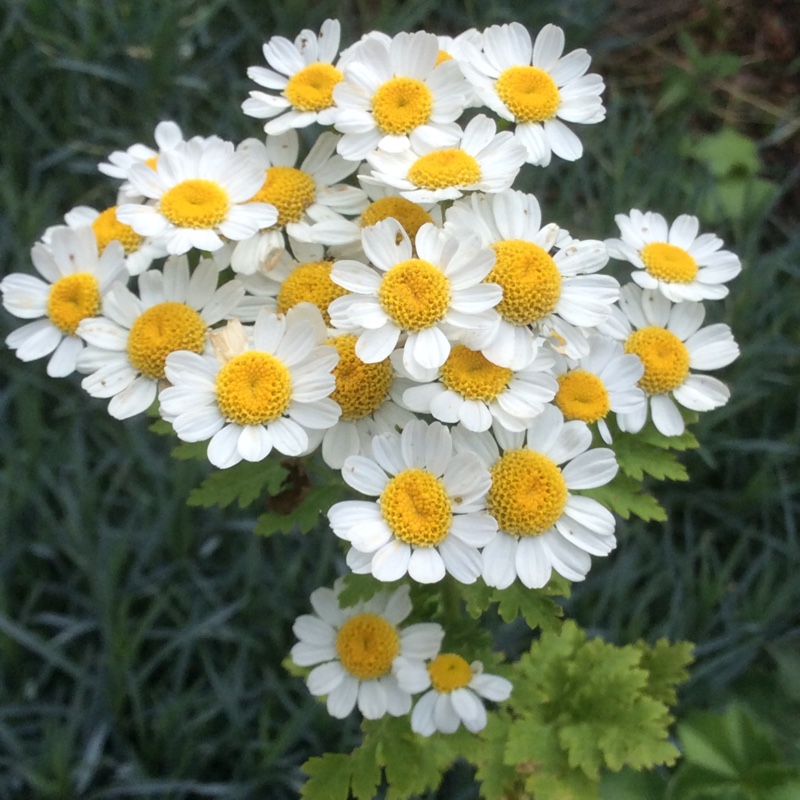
(496,778)
(244,482)
(625,497)
(303,517)
(360,588)
(666,665)
(328,777)
(538,609)
(638,457)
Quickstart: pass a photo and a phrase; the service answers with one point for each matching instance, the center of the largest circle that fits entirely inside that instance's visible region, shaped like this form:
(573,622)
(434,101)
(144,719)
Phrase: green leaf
(625,497)
(303,517)
(496,778)
(244,482)
(666,665)
(360,588)
(727,152)
(648,453)
(329,777)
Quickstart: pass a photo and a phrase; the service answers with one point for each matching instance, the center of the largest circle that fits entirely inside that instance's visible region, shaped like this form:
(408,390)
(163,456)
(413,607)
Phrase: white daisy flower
(672,258)
(671,343)
(271,389)
(604,380)
(76,278)
(480,160)
(202,191)
(535,87)
(472,390)
(356,648)
(441,288)
(129,343)
(302,195)
(395,95)
(301,80)
(455,691)
(462,48)
(542,525)
(558,296)
(429,518)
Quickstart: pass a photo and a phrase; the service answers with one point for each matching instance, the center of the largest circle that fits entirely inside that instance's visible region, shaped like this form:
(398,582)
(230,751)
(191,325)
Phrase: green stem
(451,600)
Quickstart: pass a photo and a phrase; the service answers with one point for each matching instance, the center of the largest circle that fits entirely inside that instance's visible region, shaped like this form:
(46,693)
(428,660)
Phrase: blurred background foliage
(141,640)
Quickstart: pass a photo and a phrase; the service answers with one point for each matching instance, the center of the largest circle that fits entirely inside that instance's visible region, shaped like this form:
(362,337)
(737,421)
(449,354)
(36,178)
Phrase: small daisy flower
(417,296)
(303,77)
(456,693)
(558,296)
(462,48)
(356,648)
(271,389)
(542,525)
(475,392)
(532,85)
(396,94)
(481,160)
(202,191)
(76,278)
(302,195)
(128,345)
(672,258)
(671,343)
(429,518)
(603,381)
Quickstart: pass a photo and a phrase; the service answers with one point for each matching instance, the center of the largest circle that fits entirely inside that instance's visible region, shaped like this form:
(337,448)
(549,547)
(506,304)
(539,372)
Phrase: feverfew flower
(302,74)
(535,87)
(456,688)
(429,518)
(396,94)
(422,297)
(264,390)
(671,343)
(542,525)
(672,258)
(202,191)
(129,343)
(356,649)
(76,278)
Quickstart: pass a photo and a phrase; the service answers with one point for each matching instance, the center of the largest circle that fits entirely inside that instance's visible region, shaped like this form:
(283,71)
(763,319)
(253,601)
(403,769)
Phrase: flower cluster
(392,302)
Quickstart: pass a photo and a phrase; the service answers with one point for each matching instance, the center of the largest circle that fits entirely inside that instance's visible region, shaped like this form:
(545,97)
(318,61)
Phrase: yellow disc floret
(449,672)
(161,330)
(529,93)
(360,388)
(367,645)
(71,299)
(415,294)
(290,190)
(529,278)
(443,169)
(668,262)
(665,359)
(410,215)
(416,508)
(401,104)
(442,56)
(310,283)
(582,395)
(470,374)
(195,203)
(528,493)
(311,88)
(107,228)
(253,388)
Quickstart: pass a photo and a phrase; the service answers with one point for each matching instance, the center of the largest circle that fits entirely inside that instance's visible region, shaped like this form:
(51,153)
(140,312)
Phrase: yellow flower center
(410,215)
(528,493)
(152,162)
(107,228)
(530,280)
(529,93)
(470,374)
(582,395)
(449,672)
(415,294)
(416,507)
(311,88)
(360,388)
(161,330)
(290,190)
(444,168)
(310,283)
(441,57)
(195,203)
(401,104)
(253,388)
(668,262)
(367,645)
(71,299)
(665,359)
